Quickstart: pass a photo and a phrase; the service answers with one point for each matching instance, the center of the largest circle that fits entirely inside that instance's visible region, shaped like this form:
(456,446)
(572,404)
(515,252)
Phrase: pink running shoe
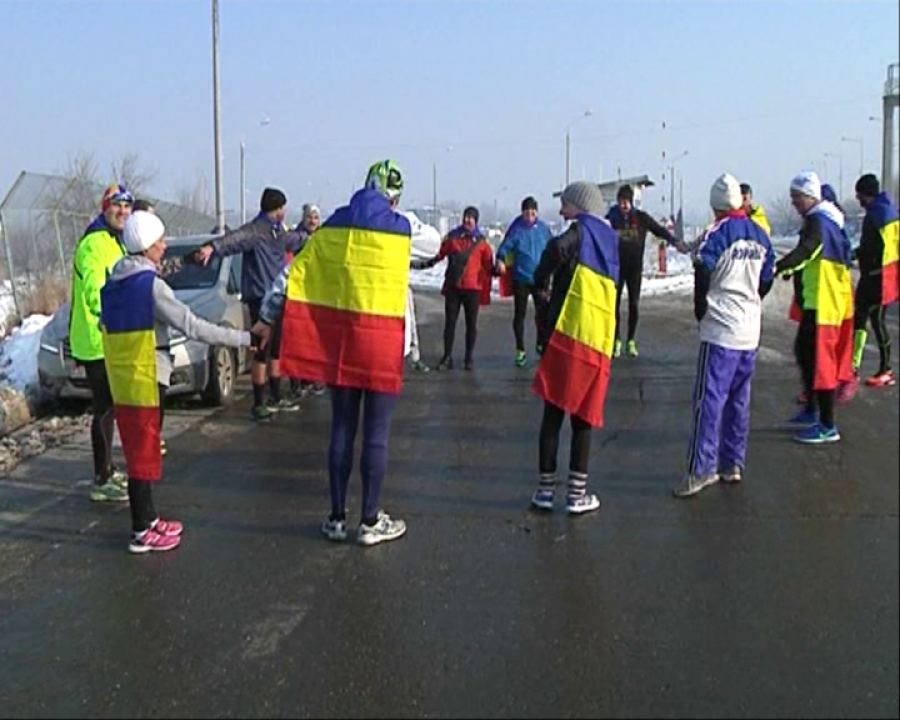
(169,528)
(847,390)
(152,541)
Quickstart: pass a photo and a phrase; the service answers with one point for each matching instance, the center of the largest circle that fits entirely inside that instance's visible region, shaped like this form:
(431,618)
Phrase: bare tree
(129,172)
(196,197)
(783,218)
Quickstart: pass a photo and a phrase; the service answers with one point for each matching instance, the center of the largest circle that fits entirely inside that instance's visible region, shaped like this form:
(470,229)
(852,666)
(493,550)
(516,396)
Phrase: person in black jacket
(582,395)
(878,285)
(633,226)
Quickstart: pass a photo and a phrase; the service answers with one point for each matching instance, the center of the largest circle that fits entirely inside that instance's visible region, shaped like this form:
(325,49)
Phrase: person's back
(343,303)
(738,254)
(733,271)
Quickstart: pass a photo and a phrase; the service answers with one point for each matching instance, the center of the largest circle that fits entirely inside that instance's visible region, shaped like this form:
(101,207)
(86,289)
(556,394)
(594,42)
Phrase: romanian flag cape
(129,343)
(828,289)
(346,299)
(885,214)
(574,369)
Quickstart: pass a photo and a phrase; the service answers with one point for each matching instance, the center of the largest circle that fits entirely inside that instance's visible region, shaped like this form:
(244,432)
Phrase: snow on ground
(19,355)
(679,277)
(7,305)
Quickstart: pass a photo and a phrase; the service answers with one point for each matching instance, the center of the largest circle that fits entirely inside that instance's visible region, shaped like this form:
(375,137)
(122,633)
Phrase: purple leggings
(377,413)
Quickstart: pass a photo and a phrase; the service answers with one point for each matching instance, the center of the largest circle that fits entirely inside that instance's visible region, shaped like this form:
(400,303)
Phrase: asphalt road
(775,598)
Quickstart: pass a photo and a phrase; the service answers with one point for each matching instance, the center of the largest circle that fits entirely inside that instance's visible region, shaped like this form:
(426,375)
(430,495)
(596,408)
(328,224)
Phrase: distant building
(609,188)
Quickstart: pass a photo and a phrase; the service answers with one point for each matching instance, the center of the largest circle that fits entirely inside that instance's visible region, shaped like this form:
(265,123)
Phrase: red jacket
(478,271)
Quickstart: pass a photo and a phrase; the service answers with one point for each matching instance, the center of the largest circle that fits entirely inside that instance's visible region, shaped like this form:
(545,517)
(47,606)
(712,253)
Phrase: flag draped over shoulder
(129,345)
(344,312)
(888,221)
(831,288)
(574,369)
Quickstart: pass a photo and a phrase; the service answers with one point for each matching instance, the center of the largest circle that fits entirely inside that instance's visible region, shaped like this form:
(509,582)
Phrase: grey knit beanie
(585,196)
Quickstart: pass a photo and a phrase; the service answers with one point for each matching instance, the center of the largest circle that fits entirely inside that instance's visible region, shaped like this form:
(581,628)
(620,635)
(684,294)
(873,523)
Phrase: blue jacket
(527,245)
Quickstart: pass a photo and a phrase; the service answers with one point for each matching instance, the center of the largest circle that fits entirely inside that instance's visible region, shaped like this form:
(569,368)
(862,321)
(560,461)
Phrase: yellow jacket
(758,215)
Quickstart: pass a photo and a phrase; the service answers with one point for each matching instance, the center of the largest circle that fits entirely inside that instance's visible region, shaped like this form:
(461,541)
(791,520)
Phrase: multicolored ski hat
(115,193)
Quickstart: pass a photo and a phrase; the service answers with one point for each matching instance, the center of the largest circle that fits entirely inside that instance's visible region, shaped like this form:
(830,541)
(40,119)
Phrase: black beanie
(272,200)
(868,186)
(471,212)
(625,193)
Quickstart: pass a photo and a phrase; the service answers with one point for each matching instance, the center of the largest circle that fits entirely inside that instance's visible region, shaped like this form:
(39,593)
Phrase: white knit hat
(808,183)
(725,193)
(142,230)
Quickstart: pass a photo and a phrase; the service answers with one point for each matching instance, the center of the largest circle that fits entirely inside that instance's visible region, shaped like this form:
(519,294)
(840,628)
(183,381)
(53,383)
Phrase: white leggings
(414,354)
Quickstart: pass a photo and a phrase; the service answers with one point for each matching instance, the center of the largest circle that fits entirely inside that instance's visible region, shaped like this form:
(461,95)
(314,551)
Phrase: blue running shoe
(818,434)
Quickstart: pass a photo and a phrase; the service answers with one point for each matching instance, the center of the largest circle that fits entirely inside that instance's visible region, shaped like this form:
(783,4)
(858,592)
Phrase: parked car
(211,291)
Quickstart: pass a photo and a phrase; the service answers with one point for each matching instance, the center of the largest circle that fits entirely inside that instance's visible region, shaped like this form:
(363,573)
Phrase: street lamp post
(672,183)
(434,207)
(496,210)
(860,143)
(217,109)
(585,114)
(840,158)
(262,123)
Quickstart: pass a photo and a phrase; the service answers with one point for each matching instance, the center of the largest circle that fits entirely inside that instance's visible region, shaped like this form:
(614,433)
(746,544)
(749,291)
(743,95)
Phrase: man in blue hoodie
(263,242)
(522,248)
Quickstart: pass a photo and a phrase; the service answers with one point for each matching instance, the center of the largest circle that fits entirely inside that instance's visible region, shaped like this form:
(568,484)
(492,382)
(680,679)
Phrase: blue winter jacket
(526,243)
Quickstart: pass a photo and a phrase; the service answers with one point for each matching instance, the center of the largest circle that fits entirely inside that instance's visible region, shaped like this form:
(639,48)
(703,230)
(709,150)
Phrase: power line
(328,148)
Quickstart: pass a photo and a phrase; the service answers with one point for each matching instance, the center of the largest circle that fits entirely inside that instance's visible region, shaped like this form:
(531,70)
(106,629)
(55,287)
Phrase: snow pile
(19,355)
(7,306)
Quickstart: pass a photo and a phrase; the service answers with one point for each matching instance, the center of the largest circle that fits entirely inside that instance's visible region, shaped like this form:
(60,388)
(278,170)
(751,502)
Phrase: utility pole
(434,209)
(217,130)
(243,186)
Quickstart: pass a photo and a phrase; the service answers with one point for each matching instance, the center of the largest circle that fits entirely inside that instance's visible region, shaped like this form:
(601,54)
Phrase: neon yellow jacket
(96,253)
(758,215)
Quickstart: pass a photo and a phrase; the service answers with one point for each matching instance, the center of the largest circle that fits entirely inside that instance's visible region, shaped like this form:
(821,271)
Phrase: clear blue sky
(761,89)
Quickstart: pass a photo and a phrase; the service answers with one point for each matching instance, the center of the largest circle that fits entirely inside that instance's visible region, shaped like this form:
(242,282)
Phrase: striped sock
(548,482)
(577,486)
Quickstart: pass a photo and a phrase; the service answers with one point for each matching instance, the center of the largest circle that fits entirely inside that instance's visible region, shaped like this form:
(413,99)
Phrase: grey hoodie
(170,312)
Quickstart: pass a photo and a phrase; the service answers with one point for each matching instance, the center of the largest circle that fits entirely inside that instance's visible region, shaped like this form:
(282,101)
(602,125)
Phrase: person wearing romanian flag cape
(342,304)
(820,266)
(733,271)
(138,308)
(582,265)
(879,281)
(467,282)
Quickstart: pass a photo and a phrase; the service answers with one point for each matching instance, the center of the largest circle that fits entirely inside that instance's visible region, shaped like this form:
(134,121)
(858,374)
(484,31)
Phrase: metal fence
(42,218)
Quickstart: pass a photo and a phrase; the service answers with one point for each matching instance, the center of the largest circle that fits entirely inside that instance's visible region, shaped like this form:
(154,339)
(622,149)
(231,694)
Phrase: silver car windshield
(192,276)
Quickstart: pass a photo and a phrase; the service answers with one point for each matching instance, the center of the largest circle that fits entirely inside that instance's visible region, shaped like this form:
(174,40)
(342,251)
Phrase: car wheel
(222,374)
